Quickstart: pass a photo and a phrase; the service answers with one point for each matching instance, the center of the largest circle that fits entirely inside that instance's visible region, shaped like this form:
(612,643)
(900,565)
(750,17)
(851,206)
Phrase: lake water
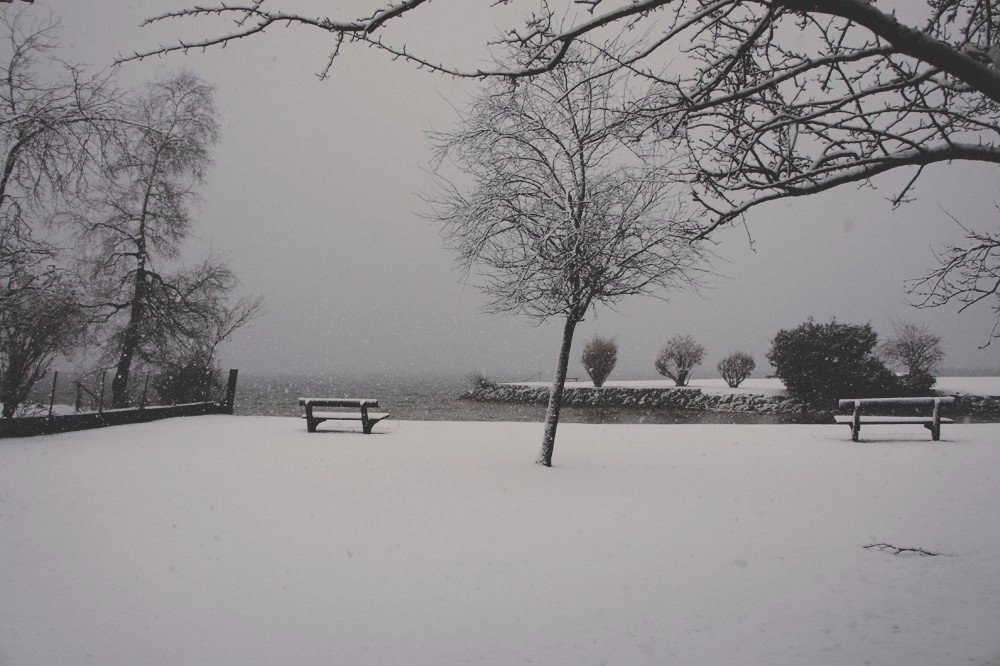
(436,399)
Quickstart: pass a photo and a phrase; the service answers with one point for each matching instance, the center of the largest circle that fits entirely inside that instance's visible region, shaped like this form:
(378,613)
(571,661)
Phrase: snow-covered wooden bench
(856,420)
(348,410)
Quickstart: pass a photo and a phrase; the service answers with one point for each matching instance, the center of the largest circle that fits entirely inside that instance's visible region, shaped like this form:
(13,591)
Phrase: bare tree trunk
(130,342)
(8,400)
(555,395)
(6,394)
(119,384)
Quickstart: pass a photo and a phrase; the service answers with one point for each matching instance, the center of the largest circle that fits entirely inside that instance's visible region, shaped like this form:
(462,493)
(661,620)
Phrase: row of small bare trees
(912,348)
(96,197)
(676,360)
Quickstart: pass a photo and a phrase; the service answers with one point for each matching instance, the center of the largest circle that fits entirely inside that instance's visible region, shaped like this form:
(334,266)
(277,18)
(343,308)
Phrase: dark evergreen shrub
(821,363)
(191,382)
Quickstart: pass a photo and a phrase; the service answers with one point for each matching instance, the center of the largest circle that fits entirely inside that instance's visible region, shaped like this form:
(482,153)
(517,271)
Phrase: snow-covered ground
(973,385)
(245,540)
(774,386)
(37,409)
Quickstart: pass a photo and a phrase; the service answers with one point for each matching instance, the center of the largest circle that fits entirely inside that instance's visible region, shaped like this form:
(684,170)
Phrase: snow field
(216,540)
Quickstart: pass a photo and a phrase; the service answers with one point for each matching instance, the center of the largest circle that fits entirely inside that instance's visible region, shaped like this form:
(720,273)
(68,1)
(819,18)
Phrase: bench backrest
(339,402)
(847,402)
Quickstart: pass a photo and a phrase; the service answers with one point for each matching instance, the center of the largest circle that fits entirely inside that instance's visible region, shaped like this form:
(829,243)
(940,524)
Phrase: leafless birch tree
(139,215)
(559,215)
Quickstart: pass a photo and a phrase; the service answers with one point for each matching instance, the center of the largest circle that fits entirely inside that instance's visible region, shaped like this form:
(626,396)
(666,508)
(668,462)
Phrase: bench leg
(366,423)
(855,432)
(311,423)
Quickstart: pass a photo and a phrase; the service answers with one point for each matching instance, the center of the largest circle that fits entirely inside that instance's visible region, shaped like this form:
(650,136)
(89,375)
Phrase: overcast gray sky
(314,192)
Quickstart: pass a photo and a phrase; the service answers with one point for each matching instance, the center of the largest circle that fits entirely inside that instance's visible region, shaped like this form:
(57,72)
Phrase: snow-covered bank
(969,385)
(223,540)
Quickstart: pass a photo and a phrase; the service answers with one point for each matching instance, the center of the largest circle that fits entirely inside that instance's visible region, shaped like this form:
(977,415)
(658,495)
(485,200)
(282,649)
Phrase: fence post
(52,394)
(142,398)
(79,396)
(100,402)
(227,402)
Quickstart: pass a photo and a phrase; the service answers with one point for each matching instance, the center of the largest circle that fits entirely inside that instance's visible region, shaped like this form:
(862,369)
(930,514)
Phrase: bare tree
(736,367)
(967,273)
(864,93)
(184,347)
(192,314)
(559,216)
(479,380)
(36,327)
(54,120)
(599,358)
(774,98)
(914,347)
(140,212)
(679,357)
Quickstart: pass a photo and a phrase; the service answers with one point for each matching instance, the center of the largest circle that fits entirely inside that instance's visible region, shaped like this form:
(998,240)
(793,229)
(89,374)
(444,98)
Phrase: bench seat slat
(339,402)
(846,418)
(346,416)
(847,402)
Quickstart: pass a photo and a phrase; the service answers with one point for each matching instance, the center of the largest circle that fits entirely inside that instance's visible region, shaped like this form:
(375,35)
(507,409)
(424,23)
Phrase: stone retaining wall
(650,398)
(691,398)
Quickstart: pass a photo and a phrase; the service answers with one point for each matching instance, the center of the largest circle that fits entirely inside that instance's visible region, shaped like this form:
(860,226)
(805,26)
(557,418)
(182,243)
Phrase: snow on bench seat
(346,416)
(845,418)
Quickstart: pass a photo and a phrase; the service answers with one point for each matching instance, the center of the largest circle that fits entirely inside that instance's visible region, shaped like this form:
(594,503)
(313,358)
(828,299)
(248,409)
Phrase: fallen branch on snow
(895,550)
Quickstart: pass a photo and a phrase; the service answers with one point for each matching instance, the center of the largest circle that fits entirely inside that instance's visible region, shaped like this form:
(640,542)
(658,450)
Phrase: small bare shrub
(599,358)
(736,367)
(36,327)
(679,357)
(914,347)
(479,380)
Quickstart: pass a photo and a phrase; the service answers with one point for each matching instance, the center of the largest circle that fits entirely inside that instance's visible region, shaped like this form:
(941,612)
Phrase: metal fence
(73,392)
(77,401)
